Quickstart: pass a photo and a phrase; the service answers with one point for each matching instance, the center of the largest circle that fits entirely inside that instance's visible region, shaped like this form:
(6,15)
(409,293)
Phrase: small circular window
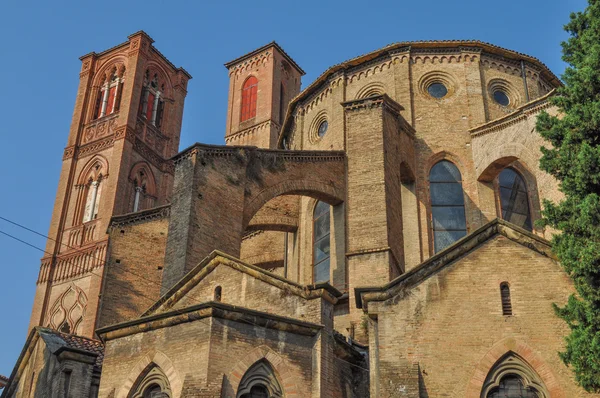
(437,90)
(323,128)
(501,98)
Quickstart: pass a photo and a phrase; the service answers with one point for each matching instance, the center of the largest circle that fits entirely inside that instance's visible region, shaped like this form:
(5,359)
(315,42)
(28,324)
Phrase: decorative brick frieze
(140,216)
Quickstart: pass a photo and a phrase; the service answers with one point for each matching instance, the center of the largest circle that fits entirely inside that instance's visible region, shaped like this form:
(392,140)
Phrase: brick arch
(326,191)
(151,180)
(503,155)
(163,75)
(523,350)
(284,374)
(166,366)
(119,62)
(523,169)
(91,171)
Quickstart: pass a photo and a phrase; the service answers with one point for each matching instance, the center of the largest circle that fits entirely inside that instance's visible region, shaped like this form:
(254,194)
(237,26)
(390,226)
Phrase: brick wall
(455,317)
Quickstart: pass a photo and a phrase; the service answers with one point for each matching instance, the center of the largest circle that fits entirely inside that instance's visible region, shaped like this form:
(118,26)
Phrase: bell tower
(126,125)
(261,85)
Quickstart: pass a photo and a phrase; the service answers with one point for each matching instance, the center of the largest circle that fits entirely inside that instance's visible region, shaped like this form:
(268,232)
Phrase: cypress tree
(574,160)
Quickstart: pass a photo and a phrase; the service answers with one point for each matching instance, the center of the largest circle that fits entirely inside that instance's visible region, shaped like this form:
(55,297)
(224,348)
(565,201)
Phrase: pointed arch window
(108,98)
(321,242)
(89,186)
(249,98)
(144,187)
(92,202)
(448,220)
(153,383)
(260,382)
(152,104)
(512,377)
(514,199)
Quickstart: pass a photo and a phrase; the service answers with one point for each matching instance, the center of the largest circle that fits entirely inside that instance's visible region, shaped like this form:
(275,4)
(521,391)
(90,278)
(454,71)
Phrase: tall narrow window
(447,205)
(109,96)
(152,103)
(514,200)
(67,383)
(281,103)
(321,243)
(249,98)
(94,189)
(505,297)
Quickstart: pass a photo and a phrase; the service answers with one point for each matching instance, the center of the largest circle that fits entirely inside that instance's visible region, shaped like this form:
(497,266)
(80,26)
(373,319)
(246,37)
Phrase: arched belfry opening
(513,377)
(260,381)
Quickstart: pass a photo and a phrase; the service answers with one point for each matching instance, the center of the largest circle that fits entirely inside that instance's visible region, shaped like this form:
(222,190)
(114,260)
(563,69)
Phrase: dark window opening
(501,98)
(505,297)
(323,128)
(257,392)
(437,90)
(218,293)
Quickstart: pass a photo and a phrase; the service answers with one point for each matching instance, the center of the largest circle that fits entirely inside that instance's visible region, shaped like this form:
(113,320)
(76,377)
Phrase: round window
(323,128)
(437,90)
(501,98)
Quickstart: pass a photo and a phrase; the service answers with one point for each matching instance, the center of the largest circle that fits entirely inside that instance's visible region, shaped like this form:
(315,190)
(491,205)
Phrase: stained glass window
(514,199)
(447,205)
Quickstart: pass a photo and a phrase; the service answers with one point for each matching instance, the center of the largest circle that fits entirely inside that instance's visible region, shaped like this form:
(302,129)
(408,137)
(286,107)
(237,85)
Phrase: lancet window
(108,98)
(143,184)
(512,377)
(447,205)
(260,382)
(152,104)
(249,98)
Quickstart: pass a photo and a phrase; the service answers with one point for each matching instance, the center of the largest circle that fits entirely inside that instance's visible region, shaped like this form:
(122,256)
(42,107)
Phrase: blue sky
(40,43)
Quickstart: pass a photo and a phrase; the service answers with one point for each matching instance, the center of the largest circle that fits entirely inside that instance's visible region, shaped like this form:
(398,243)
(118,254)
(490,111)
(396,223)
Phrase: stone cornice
(471,48)
(520,114)
(234,150)
(205,311)
(447,256)
(258,51)
(140,217)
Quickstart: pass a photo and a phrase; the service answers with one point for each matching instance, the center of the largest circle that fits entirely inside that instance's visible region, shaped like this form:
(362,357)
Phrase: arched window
(108,98)
(89,186)
(505,297)
(144,187)
(152,104)
(512,377)
(511,386)
(218,295)
(92,202)
(260,382)
(514,199)
(321,243)
(152,383)
(249,98)
(447,205)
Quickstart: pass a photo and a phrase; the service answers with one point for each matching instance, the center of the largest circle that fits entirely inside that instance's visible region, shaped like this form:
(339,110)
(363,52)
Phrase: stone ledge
(140,217)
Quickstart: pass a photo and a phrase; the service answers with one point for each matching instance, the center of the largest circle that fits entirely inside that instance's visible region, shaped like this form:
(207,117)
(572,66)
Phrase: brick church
(372,235)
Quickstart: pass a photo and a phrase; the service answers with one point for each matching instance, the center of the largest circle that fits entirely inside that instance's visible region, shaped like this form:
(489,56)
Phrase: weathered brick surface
(455,316)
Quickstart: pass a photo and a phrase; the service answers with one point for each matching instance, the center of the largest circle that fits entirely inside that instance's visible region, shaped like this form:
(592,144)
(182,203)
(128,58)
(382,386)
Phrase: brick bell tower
(261,85)
(126,125)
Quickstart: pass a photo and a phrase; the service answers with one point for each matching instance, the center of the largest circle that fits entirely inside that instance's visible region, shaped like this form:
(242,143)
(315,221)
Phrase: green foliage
(574,160)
